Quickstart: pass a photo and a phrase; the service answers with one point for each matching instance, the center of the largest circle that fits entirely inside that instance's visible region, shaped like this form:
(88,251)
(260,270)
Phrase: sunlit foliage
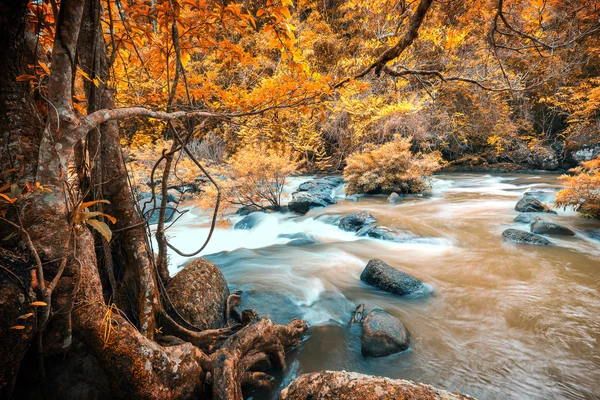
(583,189)
(391,167)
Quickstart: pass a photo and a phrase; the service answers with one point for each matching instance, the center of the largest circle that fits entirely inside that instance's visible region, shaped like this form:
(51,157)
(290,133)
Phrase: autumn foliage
(254,176)
(391,167)
(582,191)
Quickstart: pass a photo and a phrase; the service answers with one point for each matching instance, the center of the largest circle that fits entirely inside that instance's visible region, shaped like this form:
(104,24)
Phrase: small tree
(256,176)
(390,167)
(583,189)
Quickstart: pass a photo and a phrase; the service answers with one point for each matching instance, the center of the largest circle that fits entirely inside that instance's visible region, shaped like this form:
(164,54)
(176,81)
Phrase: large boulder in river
(314,193)
(304,201)
(389,279)
(199,293)
(523,237)
(342,385)
(527,217)
(383,334)
(548,228)
(531,204)
(356,221)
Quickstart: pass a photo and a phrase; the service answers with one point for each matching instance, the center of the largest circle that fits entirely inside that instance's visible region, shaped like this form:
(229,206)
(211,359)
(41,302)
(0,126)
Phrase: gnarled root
(260,342)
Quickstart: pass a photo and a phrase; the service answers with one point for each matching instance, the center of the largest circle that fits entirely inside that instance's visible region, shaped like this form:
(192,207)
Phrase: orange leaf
(26,77)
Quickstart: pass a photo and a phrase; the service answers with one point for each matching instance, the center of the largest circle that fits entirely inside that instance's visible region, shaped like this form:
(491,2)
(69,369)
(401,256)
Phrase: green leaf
(101,227)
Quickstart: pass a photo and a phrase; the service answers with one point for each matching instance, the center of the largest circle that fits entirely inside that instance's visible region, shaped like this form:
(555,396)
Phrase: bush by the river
(390,167)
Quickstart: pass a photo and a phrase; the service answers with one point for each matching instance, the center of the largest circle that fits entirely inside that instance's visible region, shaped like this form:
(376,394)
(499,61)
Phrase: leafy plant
(83,216)
(583,189)
(390,167)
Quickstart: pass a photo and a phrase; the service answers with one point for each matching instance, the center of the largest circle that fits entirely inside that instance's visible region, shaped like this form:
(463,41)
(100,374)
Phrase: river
(504,321)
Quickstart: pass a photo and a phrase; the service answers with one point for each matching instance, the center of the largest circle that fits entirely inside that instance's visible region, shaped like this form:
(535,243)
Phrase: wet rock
(356,221)
(531,204)
(314,193)
(383,335)
(247,210)
(298,239)
(304,201)
(249,221)
(394,198)
(384,233)
(199,293)
(379,274)
(332,385)
(548,228)
(527,218)
(523,237)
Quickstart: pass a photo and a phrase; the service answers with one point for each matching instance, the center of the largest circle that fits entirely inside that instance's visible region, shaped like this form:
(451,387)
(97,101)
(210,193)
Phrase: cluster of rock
(531,211)
(314,193)
(362,223)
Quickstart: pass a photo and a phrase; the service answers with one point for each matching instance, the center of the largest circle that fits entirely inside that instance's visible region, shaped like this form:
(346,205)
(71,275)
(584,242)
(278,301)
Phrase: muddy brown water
(504,321)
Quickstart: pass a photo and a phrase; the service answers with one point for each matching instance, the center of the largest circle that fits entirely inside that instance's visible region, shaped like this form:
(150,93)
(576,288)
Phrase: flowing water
(504,321)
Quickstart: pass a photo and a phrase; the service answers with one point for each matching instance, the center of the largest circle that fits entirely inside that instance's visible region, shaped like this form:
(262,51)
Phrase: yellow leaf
(38,304)
(25,316)
(101,227)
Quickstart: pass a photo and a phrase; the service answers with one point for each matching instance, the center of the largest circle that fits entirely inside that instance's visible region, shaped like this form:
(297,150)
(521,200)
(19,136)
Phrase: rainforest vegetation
(103,102)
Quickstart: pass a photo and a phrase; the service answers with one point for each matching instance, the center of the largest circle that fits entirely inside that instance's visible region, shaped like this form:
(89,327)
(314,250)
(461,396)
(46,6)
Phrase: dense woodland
(102,101)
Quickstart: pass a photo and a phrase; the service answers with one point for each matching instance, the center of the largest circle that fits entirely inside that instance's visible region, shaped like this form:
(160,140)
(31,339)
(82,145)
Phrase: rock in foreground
(523,237)
(548,228)
(531,204)
(341,385)
(199,293)
(381,275)
(383,334)
(356,221)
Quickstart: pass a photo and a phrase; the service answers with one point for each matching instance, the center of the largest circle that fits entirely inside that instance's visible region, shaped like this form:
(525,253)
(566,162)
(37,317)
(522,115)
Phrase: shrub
(255,176)
(390,167)
(583,189)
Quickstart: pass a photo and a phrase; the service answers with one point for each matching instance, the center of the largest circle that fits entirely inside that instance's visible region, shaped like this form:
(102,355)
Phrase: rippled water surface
(505,321)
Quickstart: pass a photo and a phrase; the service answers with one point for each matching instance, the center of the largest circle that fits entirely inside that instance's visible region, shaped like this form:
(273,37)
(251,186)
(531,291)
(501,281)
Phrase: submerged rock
(523,237)
(249,221)
(548,228)
(531,204)
(527,217)
(199,293)
(298,239)
(389,279)
(383,334)
(342,385)
(394,198)
(356,221)
(384,233)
